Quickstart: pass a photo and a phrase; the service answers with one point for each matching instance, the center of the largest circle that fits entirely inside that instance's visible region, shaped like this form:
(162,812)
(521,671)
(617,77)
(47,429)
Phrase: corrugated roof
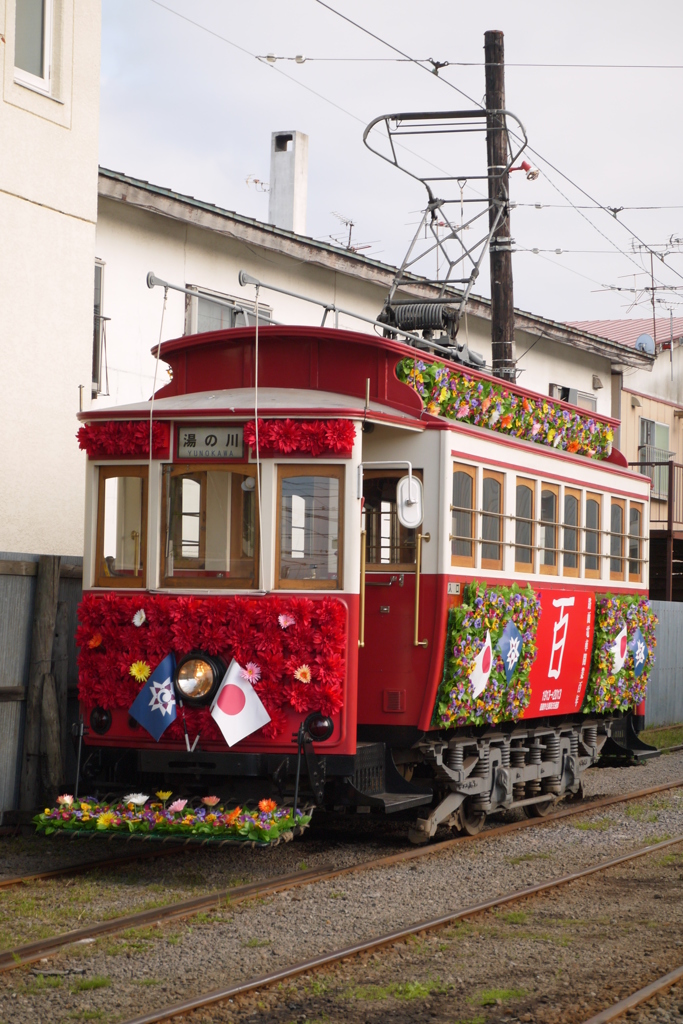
(626,332)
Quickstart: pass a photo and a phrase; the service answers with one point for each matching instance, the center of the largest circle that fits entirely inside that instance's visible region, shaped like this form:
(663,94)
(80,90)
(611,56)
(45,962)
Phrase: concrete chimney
(288,181)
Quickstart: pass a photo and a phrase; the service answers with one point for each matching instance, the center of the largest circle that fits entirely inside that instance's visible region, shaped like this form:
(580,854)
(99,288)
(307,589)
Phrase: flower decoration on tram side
(484,619)
(123,439)
(618,681)
(459,396)
(315,437)
(266,824)
(247,629)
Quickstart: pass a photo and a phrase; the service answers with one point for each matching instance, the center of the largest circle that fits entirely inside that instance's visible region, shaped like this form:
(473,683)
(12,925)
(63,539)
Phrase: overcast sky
(187,110)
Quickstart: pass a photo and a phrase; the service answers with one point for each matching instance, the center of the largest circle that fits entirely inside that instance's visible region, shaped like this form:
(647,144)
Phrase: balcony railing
(666,508)
(654,463)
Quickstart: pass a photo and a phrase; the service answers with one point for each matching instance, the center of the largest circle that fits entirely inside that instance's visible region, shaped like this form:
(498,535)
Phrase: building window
(462,523)
(121,546)
(33,43)
(210,536)
(211,311)
(388,544)
(654,449)
(592,562)
(100,372)
(492,521)
(549,500)
(635,547)
(570,541)
(309,534)
(524,526)
(616,540)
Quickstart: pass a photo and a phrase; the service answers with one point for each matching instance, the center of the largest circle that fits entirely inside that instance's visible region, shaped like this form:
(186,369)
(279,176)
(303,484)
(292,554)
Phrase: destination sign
(202,441)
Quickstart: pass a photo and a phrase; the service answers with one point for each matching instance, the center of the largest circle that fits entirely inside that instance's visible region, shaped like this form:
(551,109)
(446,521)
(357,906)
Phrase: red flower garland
(245,628)
(123,440)
(315,436)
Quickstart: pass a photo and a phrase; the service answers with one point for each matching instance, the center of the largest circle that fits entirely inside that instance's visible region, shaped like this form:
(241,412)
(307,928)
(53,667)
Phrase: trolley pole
(502,306)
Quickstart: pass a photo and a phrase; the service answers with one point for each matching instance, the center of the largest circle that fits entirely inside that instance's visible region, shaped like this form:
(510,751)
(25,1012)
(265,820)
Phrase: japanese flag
(483,663)
(619,649)
(236,708)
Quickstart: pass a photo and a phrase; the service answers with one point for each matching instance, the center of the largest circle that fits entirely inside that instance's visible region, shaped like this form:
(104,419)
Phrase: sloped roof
(626,332)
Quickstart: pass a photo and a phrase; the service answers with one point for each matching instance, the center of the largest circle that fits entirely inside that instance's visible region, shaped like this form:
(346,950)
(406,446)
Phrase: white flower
(139,617)
(139,799)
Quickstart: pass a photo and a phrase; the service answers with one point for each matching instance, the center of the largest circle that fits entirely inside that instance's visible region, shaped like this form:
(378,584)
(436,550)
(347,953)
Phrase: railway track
(40,949)
(380,941)
(643,995)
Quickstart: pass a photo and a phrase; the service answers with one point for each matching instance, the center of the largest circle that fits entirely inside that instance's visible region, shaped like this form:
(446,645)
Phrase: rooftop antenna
(348,223)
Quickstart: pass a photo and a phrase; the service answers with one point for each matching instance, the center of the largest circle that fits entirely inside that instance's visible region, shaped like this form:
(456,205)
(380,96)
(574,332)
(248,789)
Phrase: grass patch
(146,982)
(641,813)
(524,857)
(514,917)
(653,840)
(404,991)
(671,858)
(255,943)
(669,736)
(41,983)
(88,984)
(594,826)
(490,996)
(338,895)
(87,1015)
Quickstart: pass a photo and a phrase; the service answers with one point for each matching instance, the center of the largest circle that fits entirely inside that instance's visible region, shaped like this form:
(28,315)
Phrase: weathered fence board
(664,705)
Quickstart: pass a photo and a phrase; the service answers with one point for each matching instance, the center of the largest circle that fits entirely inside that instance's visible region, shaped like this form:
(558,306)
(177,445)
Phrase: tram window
(387,542)
(524,526)
(210,526)
(462,523)
(310,527)
(616,540)
(570,540)
(492,521)
(549,501)
(121,546)
(592,533)
(635,547)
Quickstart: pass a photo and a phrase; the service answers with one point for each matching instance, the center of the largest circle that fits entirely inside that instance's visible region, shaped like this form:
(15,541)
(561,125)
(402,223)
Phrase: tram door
(389,664)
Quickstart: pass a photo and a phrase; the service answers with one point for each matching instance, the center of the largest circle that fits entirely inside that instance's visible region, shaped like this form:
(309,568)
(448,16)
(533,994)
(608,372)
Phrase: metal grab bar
(388,583)
(361,625)
(418,569)
(135,536)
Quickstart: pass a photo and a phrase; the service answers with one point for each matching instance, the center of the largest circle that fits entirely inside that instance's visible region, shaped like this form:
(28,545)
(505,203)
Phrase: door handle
(388,583)
(418,569)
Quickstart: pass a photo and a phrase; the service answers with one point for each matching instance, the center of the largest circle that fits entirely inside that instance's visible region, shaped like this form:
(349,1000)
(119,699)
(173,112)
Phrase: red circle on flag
(486,660)
(622,647)
(231,699)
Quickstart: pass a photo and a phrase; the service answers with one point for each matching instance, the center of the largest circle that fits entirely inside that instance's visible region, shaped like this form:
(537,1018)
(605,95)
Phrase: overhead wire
(301,59)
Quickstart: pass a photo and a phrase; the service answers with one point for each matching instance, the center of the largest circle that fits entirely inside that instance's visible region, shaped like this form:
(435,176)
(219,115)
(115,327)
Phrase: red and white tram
(293,553)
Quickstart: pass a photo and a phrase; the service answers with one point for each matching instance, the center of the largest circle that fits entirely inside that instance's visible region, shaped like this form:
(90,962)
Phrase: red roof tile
(627,331)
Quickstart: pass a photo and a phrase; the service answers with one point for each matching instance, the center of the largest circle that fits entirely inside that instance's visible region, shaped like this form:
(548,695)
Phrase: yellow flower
(47,810)
(85,807)
(140,670)
(86,817)
(105,819)
(163,794)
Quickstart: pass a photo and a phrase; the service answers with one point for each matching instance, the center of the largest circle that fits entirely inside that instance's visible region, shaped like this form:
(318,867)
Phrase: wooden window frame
(201,582)
(285,472)
(619,503)
(129,582)
(493,563)
(465,561)
(635,577)
(549,570)
(571,492)
(592,574)
(405,567)
(526,567)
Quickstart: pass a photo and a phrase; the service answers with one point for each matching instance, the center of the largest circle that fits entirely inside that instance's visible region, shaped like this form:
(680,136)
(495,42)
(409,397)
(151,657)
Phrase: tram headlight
(319,727)
(100,720)
(197,678)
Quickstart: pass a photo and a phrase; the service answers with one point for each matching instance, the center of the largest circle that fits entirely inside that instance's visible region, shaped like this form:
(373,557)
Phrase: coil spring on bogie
(533,786)
(552,783)
(483,765)
(518,760)
(505,755)
(574,743)
(590,737)
(455,757)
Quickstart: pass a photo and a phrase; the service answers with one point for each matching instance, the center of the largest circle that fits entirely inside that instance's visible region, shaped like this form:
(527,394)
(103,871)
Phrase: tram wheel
(539,810)
(473,820)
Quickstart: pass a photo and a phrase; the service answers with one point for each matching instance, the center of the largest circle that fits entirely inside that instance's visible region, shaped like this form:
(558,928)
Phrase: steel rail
(325,959)
(636,998)
(91,865)
(33,951)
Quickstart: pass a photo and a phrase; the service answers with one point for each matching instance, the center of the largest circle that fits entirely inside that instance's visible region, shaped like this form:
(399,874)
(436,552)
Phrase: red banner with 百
(564,645)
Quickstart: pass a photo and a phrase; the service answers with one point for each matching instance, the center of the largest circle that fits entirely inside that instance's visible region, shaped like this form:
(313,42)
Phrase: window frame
(571,492)
(527,568)
(493,563)
(403,567)
(26,78)
(284,472)
(464,561)
(549,570)
(128,582)
(620,574)
(635,577)
(200,582)
(231,302)
(592,574)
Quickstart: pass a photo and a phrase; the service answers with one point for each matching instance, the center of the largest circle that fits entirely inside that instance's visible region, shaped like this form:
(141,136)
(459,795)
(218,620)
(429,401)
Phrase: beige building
(49,111)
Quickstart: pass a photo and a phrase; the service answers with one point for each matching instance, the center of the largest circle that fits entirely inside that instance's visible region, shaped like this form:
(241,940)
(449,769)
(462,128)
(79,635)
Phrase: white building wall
(48,206)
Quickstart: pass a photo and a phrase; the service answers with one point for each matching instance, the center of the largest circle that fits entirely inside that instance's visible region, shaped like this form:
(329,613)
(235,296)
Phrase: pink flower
(252,673)
(286,620)
(210,801)
(66,800)
(177,806)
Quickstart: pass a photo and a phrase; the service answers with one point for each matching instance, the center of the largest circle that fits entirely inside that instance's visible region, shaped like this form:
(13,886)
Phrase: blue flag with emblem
(510,647)
(639,650)
(155,707)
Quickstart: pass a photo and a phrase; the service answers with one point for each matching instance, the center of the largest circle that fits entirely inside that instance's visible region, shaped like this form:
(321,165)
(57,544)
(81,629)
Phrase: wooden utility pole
(502,306)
